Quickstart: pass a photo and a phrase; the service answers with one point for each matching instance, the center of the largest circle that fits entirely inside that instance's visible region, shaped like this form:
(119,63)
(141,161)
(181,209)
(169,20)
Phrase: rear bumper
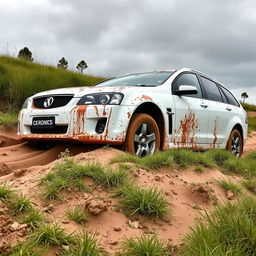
(81,123)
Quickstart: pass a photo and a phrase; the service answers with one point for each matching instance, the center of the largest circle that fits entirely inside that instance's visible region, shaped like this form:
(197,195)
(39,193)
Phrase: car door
(220,112)
(191,114)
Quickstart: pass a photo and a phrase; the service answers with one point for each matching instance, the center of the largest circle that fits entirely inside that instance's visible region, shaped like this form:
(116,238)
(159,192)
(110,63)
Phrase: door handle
(228,108)
(204,105)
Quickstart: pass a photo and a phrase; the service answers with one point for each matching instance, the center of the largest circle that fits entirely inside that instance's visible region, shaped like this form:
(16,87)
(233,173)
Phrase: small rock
(95,206)
(157,178)
(65,247)
(19,173)
(134,224)
(15,226)
(4,154)
(48,208)
(113,242)
(230,195)
(117,229)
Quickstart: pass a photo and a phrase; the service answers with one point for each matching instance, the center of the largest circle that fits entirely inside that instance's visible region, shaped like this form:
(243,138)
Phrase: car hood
(80,91)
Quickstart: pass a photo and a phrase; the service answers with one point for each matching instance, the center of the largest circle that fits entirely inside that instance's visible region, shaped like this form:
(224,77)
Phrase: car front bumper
(80,123)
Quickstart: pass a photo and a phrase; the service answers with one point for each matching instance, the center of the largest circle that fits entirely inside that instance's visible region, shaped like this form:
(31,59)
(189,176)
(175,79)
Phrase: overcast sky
(117,37)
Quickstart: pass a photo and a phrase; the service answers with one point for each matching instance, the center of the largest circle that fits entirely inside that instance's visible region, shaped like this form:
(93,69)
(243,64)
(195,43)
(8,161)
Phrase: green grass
(146,245)
(149,202)
(184,158)
(20,79)
(249,107)
(69,173)
(51,234)
(86,245)
(5,192)
(252,124)
(77,214)
(229,230)
(20,204)
(230,185)
(250,185)
(33,218)
(8,119)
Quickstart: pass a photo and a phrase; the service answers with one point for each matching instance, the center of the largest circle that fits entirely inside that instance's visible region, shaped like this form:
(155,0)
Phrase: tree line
(26,54)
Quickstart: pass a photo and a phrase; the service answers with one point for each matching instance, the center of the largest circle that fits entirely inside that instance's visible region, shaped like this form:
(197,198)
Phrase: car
(143,112)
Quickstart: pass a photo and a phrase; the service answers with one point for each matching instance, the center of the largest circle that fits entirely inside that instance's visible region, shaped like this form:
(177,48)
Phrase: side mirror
(186,90)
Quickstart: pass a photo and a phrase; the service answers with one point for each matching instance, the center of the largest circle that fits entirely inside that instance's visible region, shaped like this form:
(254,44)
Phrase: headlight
(25,104)
(101,99)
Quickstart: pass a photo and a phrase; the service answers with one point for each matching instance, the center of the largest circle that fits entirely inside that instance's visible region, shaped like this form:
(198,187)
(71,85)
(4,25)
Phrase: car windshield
(142,79)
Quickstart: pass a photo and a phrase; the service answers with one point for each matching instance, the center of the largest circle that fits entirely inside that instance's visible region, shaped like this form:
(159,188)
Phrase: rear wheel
(143,137)
(235,143)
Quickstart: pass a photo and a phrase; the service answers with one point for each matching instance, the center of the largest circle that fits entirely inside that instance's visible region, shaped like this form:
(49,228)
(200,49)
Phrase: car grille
(58,129)
(58,101)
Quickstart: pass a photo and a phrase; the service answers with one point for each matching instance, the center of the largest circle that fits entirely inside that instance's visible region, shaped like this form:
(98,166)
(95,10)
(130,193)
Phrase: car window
(230,97)
(211,90)
(224,98)
(188,79)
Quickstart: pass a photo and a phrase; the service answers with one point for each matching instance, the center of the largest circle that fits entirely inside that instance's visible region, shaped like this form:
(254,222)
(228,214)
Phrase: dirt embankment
(188,192)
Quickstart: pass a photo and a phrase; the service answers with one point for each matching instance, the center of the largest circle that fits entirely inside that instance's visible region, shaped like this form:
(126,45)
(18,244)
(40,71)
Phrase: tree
(25,54)
(81,66)
(62,64)
(244,96)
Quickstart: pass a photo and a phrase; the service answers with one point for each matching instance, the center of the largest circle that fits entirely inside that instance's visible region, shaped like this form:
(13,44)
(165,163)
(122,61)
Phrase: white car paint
(187,121)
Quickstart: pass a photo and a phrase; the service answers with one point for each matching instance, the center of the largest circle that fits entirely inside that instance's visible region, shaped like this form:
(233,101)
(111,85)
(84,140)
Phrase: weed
(20,204)
(230,228)
(148,245)
(198,169)
(250,185)
(220,156)
(5,192)
(229,185)
(150,202)
(86,244)
(51,234)
(33,218)
(77,214)
(68,173)
(8,119)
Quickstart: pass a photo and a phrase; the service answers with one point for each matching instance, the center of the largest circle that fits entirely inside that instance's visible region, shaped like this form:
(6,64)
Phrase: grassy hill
(20,79)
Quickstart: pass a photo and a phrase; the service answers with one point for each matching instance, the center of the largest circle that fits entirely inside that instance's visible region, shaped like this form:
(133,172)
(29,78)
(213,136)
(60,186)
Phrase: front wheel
(143,137)
(235,143)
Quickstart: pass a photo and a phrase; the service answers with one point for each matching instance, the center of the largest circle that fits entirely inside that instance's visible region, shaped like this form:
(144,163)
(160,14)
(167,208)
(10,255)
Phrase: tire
(143,136)
(235,143)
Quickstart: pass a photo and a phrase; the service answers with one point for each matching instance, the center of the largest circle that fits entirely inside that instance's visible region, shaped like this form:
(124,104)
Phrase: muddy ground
(188,192)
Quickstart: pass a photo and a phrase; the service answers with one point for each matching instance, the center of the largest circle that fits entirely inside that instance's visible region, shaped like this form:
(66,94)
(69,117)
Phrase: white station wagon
(144,112)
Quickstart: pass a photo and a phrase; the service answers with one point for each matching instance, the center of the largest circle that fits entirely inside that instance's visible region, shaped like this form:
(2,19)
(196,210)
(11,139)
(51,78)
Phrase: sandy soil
(189,193)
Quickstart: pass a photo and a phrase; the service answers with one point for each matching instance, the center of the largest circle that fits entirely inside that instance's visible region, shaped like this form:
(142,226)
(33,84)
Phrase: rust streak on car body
(188,127)
(215,134)
(145,97)
(96,109)
(129,114)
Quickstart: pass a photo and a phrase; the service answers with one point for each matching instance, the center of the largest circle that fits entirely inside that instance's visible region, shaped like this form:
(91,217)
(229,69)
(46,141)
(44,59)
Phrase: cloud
(118,37)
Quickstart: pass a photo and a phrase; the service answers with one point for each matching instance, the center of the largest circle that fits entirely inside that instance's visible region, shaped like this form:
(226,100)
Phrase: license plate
(43,122)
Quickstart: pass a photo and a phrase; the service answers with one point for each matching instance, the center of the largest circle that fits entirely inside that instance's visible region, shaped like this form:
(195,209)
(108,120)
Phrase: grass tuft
(86,244)
(230,185)
(51,234)
(148,245)
(250,185)
(20,204)
(34,218)
(69,173)
(149,202)
(231,229)
(5,192)
(77,214)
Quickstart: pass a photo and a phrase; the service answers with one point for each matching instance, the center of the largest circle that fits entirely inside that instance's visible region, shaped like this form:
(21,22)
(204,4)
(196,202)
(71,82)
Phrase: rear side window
(211,90)
(188,79)
(230,97)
